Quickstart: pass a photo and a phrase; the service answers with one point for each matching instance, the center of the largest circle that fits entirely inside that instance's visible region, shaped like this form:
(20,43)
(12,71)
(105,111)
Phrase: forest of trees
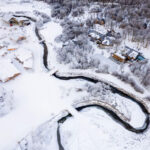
(142,71)
(126,77)
(132,16)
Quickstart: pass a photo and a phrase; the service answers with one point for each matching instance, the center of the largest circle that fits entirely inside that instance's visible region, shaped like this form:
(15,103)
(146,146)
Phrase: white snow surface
(38,95)
(90,131)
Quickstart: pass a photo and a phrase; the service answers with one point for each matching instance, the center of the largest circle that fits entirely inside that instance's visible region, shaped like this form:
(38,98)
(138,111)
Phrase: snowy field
(30,96)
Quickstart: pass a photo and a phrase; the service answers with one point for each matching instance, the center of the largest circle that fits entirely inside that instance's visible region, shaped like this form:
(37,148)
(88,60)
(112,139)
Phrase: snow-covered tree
(142,71)
(6,101)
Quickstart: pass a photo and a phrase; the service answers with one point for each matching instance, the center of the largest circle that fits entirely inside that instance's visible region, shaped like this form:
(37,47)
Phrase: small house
(107,42)
(130,53)
(96,35)
(11,20)
(101,39)
(119,57)
(23,21)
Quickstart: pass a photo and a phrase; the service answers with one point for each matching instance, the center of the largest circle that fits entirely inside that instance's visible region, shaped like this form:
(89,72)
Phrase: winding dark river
(113,89)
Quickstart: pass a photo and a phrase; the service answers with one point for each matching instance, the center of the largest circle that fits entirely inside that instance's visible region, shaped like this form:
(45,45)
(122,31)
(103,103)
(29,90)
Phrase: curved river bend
(90,103)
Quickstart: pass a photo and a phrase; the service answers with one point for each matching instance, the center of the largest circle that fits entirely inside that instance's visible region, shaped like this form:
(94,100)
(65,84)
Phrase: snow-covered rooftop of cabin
(133,54)
(23,55)
(120,55)
(100,28)
(7,70)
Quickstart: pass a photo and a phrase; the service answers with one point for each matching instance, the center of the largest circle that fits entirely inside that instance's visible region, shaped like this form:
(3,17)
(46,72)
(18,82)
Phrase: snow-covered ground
(38,96)
(92,133)
(92,129)
(49,35)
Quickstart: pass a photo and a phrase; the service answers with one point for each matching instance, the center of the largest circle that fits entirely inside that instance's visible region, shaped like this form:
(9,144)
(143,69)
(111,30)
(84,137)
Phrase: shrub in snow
(62,8)
(71,30)
(60,11)
(39,23)
(142,71)
(76,52)
(128,16)
(127,79)
(45,17)
(43,138)
(103,68)
(78,11)
(6,101)
(147,98)
(96,9)
(99,89)
(89,23)
(103,92)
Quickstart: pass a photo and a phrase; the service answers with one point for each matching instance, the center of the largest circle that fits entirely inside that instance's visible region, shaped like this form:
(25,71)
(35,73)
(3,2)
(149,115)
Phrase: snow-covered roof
(94,35)
(129,49)
(20,18)
(101,29)
(23,55)
(107,42)
(7,17)
(133,54)
(119,55)
(28,64)
(8,70)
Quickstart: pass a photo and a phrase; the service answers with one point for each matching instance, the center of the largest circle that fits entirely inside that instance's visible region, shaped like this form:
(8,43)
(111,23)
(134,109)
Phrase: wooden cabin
(11,20)
(130,53)
(117,56)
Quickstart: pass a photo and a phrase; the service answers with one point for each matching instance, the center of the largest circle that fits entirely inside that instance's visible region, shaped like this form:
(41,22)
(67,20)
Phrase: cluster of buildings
(105,38)
(128,54)
(101,35)
(9,70)
(12,57)
(102,39)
